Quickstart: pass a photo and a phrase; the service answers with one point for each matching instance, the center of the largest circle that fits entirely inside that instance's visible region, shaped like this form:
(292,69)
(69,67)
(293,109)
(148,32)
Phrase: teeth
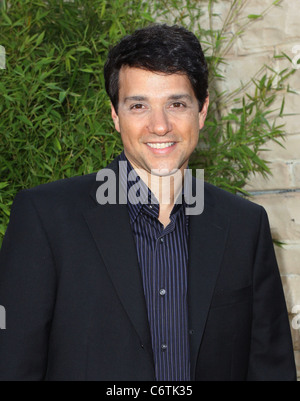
(160,145)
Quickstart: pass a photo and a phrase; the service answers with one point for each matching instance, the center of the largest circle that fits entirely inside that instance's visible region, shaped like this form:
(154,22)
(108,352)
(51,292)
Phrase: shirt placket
(162,294)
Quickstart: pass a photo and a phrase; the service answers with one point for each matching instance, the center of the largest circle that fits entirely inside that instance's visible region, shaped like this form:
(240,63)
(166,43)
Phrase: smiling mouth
(160,145)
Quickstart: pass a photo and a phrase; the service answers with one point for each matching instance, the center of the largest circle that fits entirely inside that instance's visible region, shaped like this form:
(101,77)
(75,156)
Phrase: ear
(203,113)
(115,118)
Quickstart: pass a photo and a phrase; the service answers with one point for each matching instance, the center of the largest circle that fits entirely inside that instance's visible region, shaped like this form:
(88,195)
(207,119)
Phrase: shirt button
(161,240)
(162,292)
(164,347)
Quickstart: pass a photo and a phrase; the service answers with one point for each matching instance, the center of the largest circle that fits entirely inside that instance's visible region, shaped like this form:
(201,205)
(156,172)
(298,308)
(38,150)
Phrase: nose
(159,122)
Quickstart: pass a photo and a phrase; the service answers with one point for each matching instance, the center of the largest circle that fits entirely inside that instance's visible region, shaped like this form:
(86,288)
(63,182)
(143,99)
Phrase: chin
(163,171)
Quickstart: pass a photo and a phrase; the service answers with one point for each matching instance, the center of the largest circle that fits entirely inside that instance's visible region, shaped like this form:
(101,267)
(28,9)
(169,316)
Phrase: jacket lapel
(208,233)
(110,227)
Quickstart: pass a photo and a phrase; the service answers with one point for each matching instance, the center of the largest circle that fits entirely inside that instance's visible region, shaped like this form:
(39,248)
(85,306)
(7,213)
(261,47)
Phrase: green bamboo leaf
(103,9)
(254,16)
(53,85)
(3,185)
(231,117)
(62,96)
(7,19)
(57,144)
(25,120)
(40,38)
(87,70)
(8,97)
(84,49)
(282,108)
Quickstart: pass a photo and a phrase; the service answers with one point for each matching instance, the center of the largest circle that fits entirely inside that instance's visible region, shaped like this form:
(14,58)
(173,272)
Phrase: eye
(137,106)
(178,105)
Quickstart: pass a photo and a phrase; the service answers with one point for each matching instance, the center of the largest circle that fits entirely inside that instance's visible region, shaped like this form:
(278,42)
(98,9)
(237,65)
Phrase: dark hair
(158,48)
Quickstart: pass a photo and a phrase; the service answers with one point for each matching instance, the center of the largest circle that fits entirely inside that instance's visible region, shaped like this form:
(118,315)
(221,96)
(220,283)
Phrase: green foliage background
(54,112)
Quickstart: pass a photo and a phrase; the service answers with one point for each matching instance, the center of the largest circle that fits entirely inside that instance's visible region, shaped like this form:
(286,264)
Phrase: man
(143,289)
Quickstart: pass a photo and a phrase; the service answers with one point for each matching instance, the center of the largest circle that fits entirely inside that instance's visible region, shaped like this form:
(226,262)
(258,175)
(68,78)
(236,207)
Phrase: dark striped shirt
(163,257)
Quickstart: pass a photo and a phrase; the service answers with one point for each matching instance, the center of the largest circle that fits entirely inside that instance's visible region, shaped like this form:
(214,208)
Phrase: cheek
(193,143)
(130,137)
(189,121)
(193,136)
(192,130)
(131,131)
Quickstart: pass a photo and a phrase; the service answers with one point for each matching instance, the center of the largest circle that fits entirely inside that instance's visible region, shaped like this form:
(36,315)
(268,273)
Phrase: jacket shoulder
(62,189)
(66,187)
(229,203)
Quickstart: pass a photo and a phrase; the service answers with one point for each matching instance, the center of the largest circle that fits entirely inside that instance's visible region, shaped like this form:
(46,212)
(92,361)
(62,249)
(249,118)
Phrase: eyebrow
(180,96)
(135,98)
(145,98)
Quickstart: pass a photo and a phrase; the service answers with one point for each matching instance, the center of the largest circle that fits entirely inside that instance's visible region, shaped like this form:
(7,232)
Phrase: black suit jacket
(75,307)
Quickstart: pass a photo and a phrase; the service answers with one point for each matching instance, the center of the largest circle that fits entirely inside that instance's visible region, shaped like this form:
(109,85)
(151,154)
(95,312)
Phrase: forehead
(139,82)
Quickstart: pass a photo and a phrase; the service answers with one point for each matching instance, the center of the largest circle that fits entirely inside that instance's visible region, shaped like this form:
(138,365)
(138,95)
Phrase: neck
(165,188)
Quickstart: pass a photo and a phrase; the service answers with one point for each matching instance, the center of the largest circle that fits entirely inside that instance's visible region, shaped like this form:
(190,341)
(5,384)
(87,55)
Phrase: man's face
(158,118)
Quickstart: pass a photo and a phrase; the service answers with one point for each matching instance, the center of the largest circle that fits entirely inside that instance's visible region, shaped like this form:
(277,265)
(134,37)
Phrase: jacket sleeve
(27,292)
(271,354)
